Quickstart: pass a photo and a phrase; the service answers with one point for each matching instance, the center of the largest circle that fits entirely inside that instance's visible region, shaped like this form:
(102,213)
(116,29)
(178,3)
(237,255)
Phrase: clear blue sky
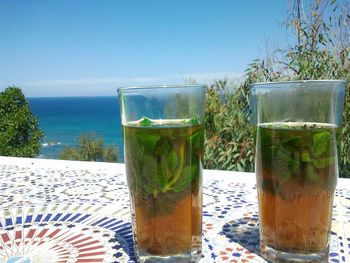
(91,47)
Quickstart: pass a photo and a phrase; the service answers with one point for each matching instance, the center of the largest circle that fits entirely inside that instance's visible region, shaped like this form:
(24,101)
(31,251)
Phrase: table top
(68,211)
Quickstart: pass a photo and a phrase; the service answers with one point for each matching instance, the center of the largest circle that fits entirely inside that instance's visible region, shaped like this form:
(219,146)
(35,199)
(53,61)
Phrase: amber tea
(163,167)
(296,166)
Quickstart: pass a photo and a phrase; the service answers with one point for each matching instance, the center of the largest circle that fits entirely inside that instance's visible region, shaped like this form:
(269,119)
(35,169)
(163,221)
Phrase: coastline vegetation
(90,147)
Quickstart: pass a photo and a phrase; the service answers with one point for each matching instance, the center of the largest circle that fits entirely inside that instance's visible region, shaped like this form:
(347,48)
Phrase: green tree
(20,135)
(228,134)
(321,51)
(90,147)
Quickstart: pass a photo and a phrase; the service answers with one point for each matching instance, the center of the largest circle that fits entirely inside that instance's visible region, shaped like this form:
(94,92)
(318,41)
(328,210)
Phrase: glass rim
(161,86)
(273,83)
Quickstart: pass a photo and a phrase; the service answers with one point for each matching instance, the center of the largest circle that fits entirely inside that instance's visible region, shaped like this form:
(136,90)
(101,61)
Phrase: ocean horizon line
(73,96)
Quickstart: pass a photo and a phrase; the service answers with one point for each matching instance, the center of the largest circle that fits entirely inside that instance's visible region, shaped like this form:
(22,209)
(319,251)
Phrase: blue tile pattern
(85,214)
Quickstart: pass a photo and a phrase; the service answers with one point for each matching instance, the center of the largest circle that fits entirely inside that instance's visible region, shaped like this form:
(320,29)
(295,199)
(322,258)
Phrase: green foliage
(163,163)
(145,122)
(322,51)
(344,147)
(229,137)
(90,148)
(19,132)
(228,134)
(291,151)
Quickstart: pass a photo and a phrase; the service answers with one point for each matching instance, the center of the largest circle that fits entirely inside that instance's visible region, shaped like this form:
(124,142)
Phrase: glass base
(273,255)
(186,257)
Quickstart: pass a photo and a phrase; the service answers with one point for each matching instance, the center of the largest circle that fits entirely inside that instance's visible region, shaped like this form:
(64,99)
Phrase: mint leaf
(148,188)
(294,142)
(161,207)
(185,178)
(320,143)
(193,121)
(172,161)
(324,162)
(165,147)
(164,203)
(145,122)
(161,177)
(148,174)
(266,146)
(273,187)
(310,173)
(288,164)
(184,122)
(148,141)
(305,156)
(197,139)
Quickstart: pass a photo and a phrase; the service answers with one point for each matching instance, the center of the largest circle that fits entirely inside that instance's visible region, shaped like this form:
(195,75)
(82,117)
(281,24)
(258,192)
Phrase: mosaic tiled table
(61,211)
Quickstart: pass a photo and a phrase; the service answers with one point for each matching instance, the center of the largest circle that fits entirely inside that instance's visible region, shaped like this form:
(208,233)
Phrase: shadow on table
(244,231)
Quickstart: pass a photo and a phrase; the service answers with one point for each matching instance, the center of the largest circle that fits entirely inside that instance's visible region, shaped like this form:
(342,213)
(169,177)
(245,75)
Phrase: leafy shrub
(90,148)
(228,134)
(344,147)
(19,132)
(229,137)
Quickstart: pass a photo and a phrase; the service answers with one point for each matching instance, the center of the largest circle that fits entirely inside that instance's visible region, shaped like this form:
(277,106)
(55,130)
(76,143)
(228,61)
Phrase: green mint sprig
(145,122)
(160,168)
(293,153)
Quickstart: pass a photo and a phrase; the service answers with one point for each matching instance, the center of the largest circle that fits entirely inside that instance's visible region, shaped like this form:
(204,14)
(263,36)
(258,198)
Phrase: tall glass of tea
(296,164)
(163,130)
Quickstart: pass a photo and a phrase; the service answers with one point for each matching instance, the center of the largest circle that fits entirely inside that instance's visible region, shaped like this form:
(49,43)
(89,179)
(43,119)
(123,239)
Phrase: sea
(63,119)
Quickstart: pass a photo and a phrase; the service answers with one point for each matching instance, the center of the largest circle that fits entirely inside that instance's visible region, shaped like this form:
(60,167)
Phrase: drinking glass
(163,131)
(296,166)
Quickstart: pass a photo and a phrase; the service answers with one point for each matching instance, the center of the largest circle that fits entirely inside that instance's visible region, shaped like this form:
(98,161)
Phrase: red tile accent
(18,235)
(54,233)
(87,244)
(91,254)
(81,240)
(90,260)
(31,233)
(69,240)
(5,237)
(43,232)
(90,248)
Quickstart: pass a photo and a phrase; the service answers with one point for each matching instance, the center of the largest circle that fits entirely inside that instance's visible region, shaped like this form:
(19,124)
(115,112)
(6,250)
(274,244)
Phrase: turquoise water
(63,119)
